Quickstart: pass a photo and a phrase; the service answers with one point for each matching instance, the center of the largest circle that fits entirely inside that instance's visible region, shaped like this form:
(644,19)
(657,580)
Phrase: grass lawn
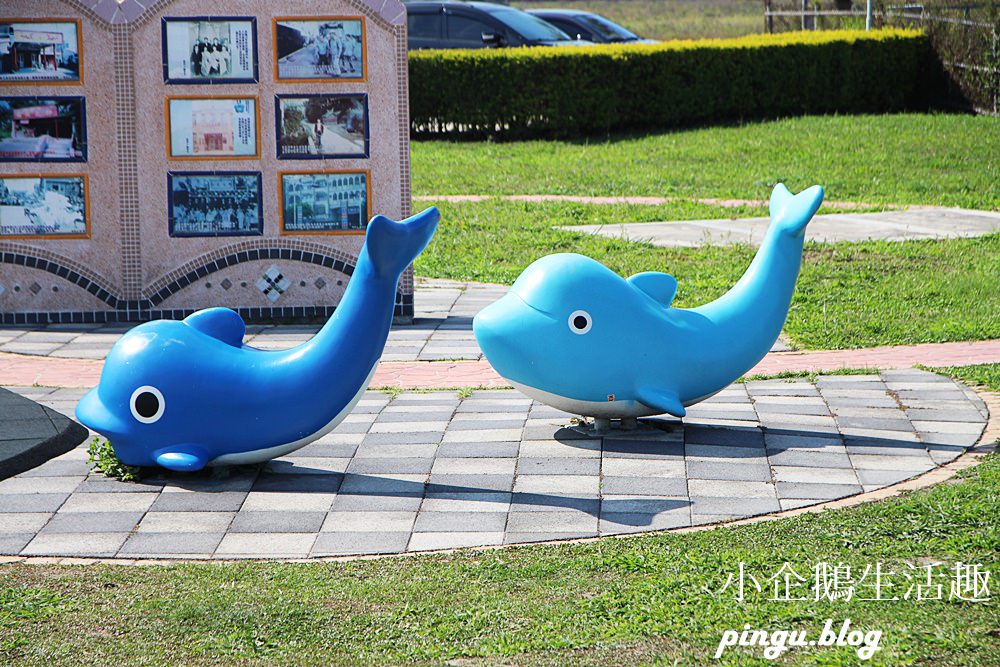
(848,294)
(670,19)
(651,599)
(942,159)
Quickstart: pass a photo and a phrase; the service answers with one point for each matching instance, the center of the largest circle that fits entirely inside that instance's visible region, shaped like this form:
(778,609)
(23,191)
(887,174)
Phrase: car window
(574,31)
(532,28)
(424,26)
(612,32)
(467,31)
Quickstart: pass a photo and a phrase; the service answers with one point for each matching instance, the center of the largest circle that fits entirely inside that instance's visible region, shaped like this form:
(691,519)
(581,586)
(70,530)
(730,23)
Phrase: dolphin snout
(505,331)
(92,413)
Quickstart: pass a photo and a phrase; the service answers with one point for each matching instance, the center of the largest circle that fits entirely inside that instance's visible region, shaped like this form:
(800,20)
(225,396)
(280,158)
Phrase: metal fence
(966,37)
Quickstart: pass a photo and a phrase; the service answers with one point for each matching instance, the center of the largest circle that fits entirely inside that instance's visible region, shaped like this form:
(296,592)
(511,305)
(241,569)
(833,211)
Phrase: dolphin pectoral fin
(665,401)
(793,212)
(219,323)
(660,286)
(181,461)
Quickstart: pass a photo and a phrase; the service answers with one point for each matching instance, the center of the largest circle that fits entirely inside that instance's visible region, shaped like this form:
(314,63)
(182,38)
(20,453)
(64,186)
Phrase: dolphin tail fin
(392,245)
(793,212)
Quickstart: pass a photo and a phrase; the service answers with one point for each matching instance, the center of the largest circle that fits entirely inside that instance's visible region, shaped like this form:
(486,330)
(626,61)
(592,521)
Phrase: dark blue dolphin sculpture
(189,394)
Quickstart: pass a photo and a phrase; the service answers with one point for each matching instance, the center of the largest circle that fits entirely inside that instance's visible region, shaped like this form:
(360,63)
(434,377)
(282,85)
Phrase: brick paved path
(18,369)
(429,471)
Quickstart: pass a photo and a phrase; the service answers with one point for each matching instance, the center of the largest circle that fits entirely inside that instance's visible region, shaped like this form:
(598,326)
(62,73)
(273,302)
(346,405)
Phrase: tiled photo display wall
(155,160)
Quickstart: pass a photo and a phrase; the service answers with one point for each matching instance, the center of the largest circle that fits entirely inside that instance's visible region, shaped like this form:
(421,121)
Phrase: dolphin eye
(147,404)
(580,321)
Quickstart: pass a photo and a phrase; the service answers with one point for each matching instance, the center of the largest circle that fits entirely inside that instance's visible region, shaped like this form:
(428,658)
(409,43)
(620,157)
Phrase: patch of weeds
(102,457)
(391,391)
(465,392)
(28,603)
(811,376)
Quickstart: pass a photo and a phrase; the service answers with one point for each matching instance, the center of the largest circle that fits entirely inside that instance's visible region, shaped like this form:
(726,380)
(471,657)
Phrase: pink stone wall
(130,252)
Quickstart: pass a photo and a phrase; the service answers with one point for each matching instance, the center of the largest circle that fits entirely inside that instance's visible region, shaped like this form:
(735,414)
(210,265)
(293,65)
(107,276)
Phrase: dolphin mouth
(92,413)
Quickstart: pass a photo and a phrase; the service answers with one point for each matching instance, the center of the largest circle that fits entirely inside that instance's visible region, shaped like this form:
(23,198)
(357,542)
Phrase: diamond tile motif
(320,283)
(226,283)
(273,284)
(35,288)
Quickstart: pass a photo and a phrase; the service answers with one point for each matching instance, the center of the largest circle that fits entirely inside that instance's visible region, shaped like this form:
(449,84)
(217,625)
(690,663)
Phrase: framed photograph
(324,202)
(212,128)
(40,51)
(219,203)
(321,126)
(320,48)
(43,129)
(44,205)
(217,49)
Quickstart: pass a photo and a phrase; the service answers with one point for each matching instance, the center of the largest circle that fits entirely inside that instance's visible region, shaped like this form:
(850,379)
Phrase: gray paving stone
(652,486)
(563,465)
(886,462)
(75,544)
(354,543)
(376,502)
(265,545)
(101,484)
(23,522)
(822,458)
(277,522)
(733,505)
(298,483)
(382,521)
(186,522)
(642,449)
(771,409)
(612,523)
(882,478)
(171,544)
(553,502)
(397,451)
(415,438)
(715,469)
(38,485)
(395,484)
(483,522)
(197,501)
(58,468)
(733,437)
(470,466)
(435,541)
(643,504)
(92,522)
(806,490)
(338,451)
(381,465)
(568,521)
(875,424)
(478,424)
(435,416)
(12,543)
(478,449)
(32,502)
(469,483)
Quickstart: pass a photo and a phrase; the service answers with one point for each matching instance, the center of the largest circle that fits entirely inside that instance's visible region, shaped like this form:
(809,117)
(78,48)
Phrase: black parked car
(588,26)
(447,24)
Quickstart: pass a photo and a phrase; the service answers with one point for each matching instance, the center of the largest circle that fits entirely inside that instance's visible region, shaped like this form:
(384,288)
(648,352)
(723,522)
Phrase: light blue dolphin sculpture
(573,334)
(189,394)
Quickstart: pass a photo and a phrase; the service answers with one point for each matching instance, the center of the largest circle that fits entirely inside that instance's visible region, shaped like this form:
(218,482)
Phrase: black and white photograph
(40,51)
(323,202)
(320,48)
(43,129)
(210,50)
(50,205)
(215,203)
(322,126)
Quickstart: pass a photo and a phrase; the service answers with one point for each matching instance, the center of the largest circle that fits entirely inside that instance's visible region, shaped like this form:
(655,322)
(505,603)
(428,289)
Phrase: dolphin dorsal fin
(660,286)
(220,323)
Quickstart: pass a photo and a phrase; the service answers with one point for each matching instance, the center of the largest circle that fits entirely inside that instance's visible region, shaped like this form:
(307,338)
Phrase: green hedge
(546,91)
